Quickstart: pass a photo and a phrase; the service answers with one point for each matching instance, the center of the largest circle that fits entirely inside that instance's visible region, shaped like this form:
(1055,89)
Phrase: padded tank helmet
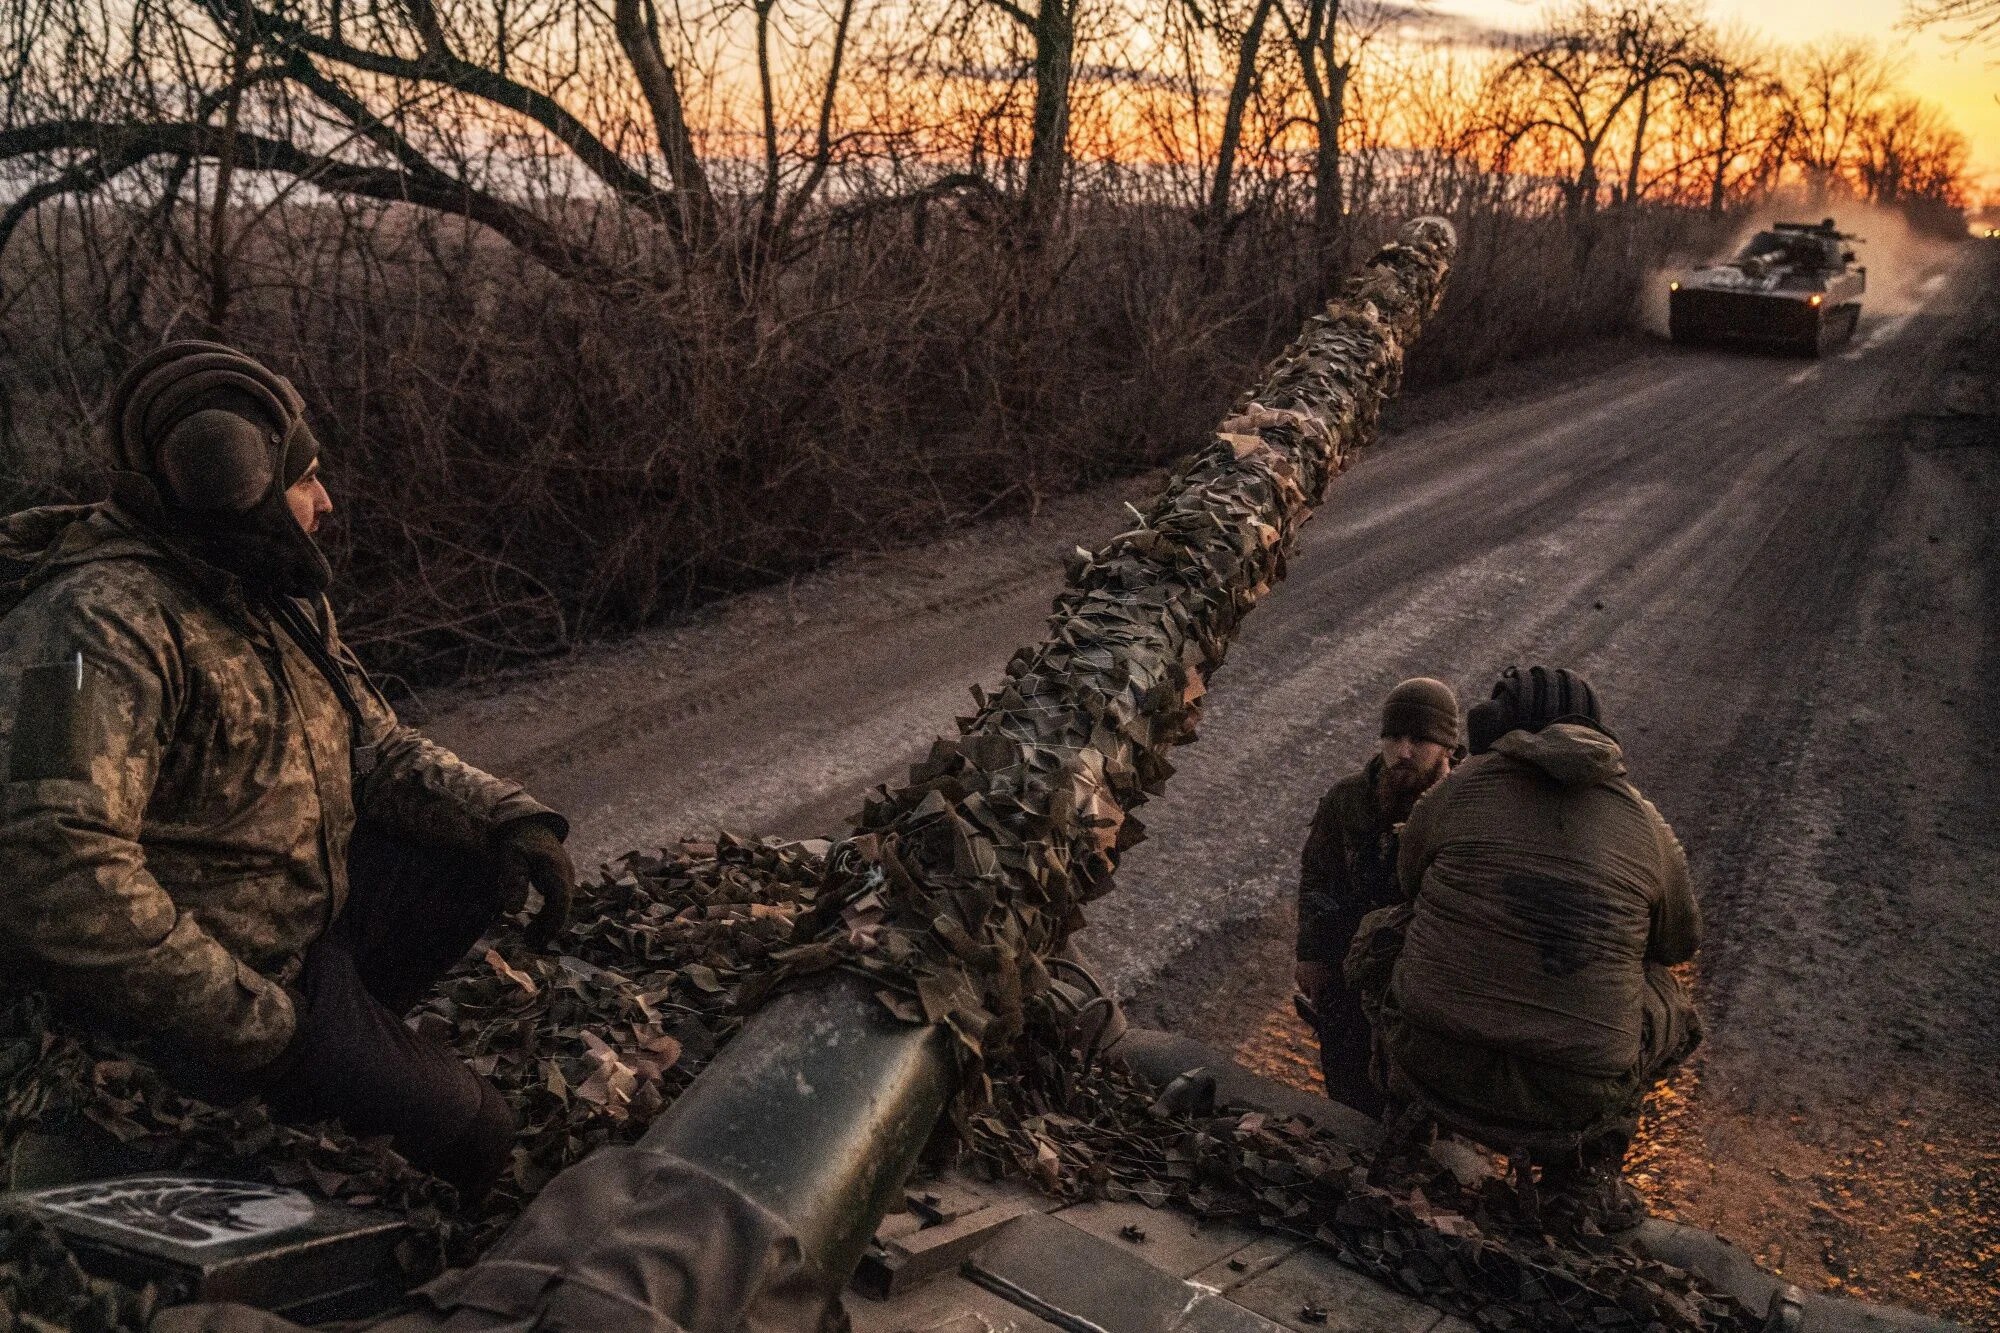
(1531,700)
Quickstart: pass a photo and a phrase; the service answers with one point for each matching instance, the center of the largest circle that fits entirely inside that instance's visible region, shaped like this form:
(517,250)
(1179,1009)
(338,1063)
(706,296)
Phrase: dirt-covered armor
(1795,286)
(181,784)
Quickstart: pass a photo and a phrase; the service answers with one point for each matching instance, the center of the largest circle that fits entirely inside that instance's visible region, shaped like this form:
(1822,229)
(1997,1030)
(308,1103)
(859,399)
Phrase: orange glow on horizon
(1963,81)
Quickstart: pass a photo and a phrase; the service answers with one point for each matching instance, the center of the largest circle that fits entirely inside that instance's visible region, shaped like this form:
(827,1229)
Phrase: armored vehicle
(1795,287)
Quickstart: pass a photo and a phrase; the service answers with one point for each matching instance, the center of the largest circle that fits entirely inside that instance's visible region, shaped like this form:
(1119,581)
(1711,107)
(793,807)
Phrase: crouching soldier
(1348,869)
(1531,1001)
(216,839)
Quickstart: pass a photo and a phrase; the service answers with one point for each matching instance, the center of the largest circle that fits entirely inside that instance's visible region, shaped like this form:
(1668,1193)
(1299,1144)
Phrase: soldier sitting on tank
(1348,869)
(1531,1001)
(216,839)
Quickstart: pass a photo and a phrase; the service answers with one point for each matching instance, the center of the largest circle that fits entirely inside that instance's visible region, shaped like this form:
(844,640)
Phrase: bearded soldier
(216,839)
(1348,869)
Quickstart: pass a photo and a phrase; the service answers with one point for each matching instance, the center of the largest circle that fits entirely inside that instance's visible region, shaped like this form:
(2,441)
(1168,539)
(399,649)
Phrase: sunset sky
(1964,81)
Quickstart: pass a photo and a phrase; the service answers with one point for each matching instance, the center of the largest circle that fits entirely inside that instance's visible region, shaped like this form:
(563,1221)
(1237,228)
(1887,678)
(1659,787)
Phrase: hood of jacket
(38,544)
(1571,753)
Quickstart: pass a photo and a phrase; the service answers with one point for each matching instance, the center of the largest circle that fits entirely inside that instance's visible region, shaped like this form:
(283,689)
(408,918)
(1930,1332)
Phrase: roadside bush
(521,462)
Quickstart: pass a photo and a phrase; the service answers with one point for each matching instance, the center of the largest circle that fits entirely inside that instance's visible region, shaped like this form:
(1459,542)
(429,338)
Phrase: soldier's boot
(1591,1186)
(1404,1147)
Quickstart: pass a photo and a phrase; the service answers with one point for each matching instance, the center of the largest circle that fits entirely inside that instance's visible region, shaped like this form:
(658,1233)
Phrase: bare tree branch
(638,36)
(451,71)
(124,145)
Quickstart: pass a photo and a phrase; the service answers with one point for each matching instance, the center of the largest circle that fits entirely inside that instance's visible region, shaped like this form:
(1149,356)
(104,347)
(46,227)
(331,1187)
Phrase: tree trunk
(1048,148)
(1232,120)
(1329,207)
(219,286)
(1586,183)
(694,199)
(1721,160)
(1638,143)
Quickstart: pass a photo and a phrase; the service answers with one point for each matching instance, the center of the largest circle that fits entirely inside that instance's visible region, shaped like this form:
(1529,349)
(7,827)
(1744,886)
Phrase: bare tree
(1973,20)
(1656,42)
(779,210)
(1905,149)
(455,106)
(1315,39)
(1737,114)
(1570,84)
(1833,86)
(1050,27)
(1249,44)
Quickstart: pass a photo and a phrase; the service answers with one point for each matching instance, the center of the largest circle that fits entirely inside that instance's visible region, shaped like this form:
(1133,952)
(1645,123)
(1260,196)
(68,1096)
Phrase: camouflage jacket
(1348,867)
(178,794)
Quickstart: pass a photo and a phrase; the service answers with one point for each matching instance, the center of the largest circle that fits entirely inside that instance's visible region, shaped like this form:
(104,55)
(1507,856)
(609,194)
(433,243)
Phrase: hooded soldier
(217,842)
(1549,898)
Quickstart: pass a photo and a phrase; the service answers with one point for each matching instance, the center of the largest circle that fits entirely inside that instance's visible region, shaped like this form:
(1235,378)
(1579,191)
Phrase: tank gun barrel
(819,1107)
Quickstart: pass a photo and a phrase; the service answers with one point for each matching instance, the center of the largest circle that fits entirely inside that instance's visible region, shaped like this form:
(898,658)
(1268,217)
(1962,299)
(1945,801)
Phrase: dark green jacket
(1544,886)
(1347,869)
(178,795)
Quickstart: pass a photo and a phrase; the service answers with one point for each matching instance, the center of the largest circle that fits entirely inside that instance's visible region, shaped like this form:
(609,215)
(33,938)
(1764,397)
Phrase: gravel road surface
(1781,575)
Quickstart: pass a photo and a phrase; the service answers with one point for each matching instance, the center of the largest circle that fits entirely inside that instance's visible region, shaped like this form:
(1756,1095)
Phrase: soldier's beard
(1402,783)
(266,548)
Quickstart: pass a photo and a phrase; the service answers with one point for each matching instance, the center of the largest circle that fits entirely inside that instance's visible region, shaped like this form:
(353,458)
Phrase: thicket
(604,314)
(519,461)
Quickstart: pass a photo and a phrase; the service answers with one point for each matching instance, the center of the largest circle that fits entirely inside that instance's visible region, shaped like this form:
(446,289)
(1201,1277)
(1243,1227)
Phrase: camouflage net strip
(950,895)
(590,1044)
(976,869)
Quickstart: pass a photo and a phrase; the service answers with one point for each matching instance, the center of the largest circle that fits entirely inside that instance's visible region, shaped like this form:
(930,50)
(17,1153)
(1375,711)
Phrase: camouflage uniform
(1347,870)
(179,798)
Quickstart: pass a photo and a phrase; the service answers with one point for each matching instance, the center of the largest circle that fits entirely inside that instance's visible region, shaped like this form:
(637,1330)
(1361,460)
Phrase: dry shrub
(521,462)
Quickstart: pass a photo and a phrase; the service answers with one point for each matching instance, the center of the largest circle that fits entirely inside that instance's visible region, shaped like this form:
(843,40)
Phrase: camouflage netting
(950,894)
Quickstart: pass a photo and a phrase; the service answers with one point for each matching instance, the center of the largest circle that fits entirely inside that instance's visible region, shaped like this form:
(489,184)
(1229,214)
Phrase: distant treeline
(605,312)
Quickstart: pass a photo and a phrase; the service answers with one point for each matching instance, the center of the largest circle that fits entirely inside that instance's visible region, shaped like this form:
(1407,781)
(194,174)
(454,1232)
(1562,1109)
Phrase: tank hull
(1795,287)
(1793,322)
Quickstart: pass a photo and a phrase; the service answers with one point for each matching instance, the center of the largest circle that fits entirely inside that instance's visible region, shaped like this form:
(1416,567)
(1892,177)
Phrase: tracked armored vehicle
(1795,287)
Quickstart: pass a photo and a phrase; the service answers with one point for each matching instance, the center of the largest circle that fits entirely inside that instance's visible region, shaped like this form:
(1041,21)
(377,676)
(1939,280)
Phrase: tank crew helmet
(206,441)
(1531,700)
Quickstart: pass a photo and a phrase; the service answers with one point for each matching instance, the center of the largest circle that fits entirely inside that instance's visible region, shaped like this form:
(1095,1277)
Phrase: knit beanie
(1423,709)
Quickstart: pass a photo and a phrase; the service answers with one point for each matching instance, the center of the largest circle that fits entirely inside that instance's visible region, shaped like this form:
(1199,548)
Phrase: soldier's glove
(532,856)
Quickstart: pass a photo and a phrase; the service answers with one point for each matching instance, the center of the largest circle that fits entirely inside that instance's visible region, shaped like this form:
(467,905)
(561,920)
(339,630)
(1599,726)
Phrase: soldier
(1532,996)
(1348,869)
(216,839)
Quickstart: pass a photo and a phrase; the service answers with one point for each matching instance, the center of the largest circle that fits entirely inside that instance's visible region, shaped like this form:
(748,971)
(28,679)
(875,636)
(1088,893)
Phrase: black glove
(532,856)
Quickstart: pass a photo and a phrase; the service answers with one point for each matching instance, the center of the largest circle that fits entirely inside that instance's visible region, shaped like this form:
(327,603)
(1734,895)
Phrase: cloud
(1437,27)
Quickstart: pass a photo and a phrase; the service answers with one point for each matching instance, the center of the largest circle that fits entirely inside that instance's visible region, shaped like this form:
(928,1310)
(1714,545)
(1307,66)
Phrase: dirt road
(1781,575)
